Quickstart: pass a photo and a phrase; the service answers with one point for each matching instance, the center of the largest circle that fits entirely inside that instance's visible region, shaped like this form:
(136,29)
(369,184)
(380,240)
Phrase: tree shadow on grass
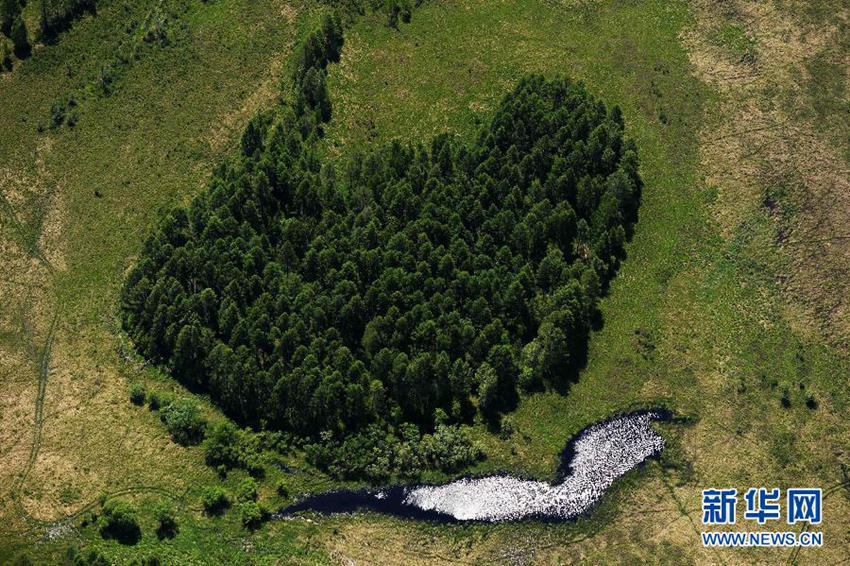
(127,535)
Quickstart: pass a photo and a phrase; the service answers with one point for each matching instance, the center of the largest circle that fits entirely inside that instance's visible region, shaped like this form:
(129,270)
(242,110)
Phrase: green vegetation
(6,50)
(697,317)
(9,12)
(215,500)
(379,453)
(309,302)
(157,400)
(226,445)
(735,39)
(118,520)
(88,558)
(56,16)
(184,422)
(166,518)
(247,490)
(251,514)
(19,37)
(138,394)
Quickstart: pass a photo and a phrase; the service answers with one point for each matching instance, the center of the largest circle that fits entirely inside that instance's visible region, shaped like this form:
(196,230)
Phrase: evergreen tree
(18,35)
(9,11)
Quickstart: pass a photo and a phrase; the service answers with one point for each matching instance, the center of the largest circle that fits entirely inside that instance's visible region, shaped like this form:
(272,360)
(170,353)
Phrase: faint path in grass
(684,510)
(42,360)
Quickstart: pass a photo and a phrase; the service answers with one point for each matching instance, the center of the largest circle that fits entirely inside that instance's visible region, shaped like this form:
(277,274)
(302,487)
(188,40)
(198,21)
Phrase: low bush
(137,394)
(184,422)
(89,558)
(247,490)
(166,518)
(157,400)
(118,521)
(215,500)
(282,489)
(252,514)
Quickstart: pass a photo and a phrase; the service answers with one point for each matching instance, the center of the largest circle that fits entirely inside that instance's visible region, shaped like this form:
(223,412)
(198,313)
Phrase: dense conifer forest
(410,286)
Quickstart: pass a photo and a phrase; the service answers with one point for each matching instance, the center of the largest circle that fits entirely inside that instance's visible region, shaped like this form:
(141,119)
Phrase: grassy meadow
(710,315)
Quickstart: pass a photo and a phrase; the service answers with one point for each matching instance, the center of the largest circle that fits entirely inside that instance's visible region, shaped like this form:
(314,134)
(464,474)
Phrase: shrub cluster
(247,490)
(377,454)
(137,394)
(166,518)
(184,422)
(252,514)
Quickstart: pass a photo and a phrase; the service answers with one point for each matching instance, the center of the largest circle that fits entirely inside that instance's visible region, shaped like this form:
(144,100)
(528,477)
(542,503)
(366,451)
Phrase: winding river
(592,460)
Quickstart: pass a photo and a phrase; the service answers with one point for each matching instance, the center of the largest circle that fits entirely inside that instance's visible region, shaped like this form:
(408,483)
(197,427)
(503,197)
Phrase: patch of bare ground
(771,142)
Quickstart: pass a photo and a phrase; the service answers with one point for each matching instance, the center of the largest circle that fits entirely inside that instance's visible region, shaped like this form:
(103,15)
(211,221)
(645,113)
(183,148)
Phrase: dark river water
(590,463)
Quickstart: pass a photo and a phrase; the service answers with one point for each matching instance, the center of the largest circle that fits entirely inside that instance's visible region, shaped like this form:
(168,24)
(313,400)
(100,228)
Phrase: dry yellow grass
(761,136)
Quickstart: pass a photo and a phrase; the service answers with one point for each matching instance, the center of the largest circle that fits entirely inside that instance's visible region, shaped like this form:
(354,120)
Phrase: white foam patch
(603,453)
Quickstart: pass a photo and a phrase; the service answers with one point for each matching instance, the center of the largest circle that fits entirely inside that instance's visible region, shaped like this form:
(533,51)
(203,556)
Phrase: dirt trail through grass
(41,358)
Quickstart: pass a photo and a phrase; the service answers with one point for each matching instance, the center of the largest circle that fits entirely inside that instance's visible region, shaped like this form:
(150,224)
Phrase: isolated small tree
(166,518)
(118,521)
(137,394)
(811,401)
(214,500)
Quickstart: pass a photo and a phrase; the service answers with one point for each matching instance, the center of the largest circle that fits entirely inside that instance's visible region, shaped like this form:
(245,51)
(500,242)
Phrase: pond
(590,463)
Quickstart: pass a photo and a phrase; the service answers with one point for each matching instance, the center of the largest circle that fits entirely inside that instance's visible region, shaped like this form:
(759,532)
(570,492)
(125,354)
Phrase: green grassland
(697,319)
